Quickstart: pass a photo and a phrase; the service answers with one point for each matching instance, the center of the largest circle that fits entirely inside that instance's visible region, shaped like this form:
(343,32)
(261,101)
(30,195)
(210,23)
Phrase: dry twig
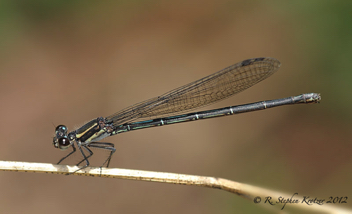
(253,193)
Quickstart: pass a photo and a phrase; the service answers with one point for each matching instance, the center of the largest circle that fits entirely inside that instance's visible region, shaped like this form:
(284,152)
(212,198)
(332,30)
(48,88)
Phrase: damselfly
(162,110)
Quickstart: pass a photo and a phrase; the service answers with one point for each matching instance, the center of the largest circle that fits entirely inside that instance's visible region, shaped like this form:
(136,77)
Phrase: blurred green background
(66,62)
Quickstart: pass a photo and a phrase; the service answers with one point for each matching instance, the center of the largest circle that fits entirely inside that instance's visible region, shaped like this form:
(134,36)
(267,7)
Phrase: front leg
(84,157)
(90,155)
(73,151)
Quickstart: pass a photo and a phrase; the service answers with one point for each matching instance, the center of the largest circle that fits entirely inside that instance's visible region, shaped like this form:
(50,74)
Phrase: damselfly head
(61,140)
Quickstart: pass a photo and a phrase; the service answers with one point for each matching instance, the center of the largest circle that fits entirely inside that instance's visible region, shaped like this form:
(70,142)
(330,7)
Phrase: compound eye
(63,142)
(61,128)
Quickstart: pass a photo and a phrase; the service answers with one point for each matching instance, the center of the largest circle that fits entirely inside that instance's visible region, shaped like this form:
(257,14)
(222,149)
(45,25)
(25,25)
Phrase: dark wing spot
(250,61)
(246,62)
(259,59)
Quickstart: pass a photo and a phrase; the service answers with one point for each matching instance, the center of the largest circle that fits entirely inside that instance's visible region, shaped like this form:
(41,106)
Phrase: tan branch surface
(244,190)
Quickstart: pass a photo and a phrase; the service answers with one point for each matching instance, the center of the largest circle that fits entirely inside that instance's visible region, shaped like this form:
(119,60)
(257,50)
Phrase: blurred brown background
(66,62)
